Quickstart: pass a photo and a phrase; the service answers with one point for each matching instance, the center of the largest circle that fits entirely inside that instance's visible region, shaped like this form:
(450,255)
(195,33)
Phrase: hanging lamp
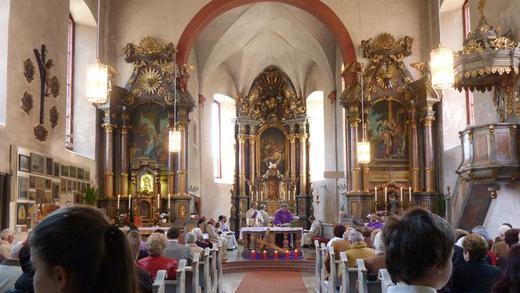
(174,135)
(363,146)
(97,74)
(442,71)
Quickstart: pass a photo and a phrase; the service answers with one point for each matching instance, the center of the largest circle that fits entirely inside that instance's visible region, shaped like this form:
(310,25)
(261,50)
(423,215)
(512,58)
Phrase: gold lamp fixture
(363,146)
(97,73)
(441,63)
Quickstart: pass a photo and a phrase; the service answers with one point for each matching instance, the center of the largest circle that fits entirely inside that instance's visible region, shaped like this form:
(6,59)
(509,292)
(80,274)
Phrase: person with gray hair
(191,242)
(377,262)
(7,236)
(358,248)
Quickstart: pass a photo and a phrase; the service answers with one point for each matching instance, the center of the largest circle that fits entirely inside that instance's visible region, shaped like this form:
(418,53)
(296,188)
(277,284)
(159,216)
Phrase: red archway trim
(314,7)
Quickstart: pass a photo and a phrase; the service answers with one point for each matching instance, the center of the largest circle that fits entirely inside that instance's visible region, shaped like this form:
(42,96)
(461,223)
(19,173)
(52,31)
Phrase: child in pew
(76,249)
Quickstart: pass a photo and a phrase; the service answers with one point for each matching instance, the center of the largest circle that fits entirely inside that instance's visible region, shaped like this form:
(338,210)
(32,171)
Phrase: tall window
(216,139)
(69,110)
(4,35)
(315,112)
(470,118)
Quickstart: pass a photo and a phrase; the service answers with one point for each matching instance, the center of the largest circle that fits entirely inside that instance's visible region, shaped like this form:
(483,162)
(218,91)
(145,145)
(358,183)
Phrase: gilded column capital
(242,138)
(292,138)
(428,120)
(108,127)
(252,139)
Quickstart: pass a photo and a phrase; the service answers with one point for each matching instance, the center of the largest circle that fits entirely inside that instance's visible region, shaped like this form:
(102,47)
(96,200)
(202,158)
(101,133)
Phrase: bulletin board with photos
(44,185)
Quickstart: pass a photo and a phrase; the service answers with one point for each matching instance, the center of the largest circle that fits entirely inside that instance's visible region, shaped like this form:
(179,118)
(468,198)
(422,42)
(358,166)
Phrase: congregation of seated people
(77,249)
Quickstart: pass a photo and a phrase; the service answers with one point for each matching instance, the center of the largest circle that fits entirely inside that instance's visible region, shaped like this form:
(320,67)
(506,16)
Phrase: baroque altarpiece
(400,126)
(272,148)
(142,178)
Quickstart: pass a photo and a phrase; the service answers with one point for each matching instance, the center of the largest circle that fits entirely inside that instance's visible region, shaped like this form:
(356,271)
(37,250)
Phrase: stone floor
(232,281)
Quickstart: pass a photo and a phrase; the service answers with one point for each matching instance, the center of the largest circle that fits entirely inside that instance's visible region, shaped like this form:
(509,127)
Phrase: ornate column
(354,168)
(303,158)
(429,172)
(242,137)
(252,158)
(182,171)
(124,155)
(109,159)
(413,148)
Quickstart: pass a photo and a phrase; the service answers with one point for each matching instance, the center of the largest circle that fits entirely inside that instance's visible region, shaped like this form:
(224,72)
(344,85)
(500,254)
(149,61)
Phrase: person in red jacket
(156,261)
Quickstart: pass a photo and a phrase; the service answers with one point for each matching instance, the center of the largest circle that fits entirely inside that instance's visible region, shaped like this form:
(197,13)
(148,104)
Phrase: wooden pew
(193,275)
(319,266)
(158,284)
(365,286)
(206,271)
(213,270)
(220,254)
(349,275)
(323,253)
(333,275)
(178,285)
(386,280)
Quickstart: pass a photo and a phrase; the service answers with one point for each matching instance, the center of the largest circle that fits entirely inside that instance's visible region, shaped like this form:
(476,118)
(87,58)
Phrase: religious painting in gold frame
(387,131)
(273,149)
(146,182)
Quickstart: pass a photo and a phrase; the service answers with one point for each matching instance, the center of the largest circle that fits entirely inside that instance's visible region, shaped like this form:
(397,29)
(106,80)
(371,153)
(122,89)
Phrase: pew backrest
(207,269)
(318,268)
(345,280)
(220,254)
(333,275)
(178,285)
(323,252)
(194,275)
(386,280)
(158,284)
(361,276)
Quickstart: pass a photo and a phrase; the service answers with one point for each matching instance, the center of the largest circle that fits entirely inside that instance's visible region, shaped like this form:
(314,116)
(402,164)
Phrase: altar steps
(268,265)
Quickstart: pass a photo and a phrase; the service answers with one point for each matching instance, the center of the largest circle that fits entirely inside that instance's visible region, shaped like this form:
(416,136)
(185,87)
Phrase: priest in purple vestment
(374,223)
(283,216)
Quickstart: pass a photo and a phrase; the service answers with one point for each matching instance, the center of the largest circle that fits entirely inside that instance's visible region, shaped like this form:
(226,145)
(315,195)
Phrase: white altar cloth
(273,229)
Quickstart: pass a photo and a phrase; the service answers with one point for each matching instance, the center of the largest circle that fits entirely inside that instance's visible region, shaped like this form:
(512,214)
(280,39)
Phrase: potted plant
(91,195)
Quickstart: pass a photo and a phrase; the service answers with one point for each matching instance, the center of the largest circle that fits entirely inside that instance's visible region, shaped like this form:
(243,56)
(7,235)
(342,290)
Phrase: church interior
(280,141)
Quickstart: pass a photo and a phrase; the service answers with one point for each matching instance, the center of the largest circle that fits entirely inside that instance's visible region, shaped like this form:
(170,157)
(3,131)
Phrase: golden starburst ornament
(386,76)
(149,81)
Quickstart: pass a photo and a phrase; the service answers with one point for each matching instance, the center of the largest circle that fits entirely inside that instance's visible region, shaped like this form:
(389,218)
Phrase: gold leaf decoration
(149,45)
(386,76)
(149,81)
(503,43)
(384,41)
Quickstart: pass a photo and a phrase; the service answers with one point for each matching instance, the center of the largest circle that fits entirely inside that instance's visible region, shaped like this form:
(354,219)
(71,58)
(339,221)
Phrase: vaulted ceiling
(245,40)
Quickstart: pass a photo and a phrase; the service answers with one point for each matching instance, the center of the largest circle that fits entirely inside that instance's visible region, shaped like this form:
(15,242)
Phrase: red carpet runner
(272,282)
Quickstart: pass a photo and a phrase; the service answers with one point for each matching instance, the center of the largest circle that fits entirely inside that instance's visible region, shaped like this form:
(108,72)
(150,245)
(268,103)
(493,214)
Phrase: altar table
(267,235)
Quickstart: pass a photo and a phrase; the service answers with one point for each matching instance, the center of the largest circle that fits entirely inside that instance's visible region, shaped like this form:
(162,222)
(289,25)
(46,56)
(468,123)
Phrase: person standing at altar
(283,217)
(265,215)
(253,216)
(374,223)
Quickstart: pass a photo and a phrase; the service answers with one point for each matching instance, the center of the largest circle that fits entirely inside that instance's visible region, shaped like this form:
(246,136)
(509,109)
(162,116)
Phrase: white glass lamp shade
(97,83)
(174,142)
(363,152)
(441,63)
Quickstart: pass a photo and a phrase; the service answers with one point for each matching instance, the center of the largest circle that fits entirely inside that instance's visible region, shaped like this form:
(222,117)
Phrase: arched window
(69,107)
(315,112)
(223,131)
(4,35)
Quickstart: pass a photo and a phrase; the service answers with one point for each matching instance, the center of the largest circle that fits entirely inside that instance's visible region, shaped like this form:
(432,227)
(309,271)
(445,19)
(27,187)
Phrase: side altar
(144,182)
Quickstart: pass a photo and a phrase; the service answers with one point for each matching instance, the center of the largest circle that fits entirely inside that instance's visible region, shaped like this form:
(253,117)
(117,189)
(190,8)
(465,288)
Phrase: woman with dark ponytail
(76,249)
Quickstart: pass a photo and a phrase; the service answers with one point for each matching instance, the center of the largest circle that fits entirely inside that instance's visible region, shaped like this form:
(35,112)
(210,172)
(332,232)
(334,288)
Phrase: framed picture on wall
(81,174)
(48,184)
(48,196)
(87,175)
(32,194)
(40,183)
(23,187)
(21,213)
(64,171)
(73,172)
(32,211)
(78,198)
(57,168)
(24,163)
(55,192)
(69,186)
(63,185)
(32,182)
(49,167)
(37,163)
(40,196)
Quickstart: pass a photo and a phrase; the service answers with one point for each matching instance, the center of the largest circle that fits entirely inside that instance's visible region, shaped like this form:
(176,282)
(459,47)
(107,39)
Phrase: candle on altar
(253,254)
(401,194)
(276,254)
(118,200)
(386,194)
(158,201)
(169,203)
(296,255)
(410,194)
(375,194)
(287,254)
(129,202)
(261,195)
(264,256)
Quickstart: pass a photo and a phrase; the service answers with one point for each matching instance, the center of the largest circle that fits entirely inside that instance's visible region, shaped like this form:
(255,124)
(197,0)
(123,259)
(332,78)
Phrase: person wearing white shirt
(265,216)
(339,231)
(419,247)
(253,216)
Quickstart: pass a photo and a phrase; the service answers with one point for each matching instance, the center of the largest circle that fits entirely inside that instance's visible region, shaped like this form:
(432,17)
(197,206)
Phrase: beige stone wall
(33,23)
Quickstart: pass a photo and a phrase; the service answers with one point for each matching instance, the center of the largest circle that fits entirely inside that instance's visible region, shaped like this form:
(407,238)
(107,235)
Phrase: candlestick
(287,254)
(158,201)
(264,255)
(296,254)
(118,200)
(410,194)
(375,194)
(129,202)
(276,254)
(386,194)
(261,195)
(169,203)
(253,254)
(401,194)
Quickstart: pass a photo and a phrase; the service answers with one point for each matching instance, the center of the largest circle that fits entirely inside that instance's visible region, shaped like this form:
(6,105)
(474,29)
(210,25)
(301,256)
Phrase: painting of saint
(149,135)
(387,130)
(272,149)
